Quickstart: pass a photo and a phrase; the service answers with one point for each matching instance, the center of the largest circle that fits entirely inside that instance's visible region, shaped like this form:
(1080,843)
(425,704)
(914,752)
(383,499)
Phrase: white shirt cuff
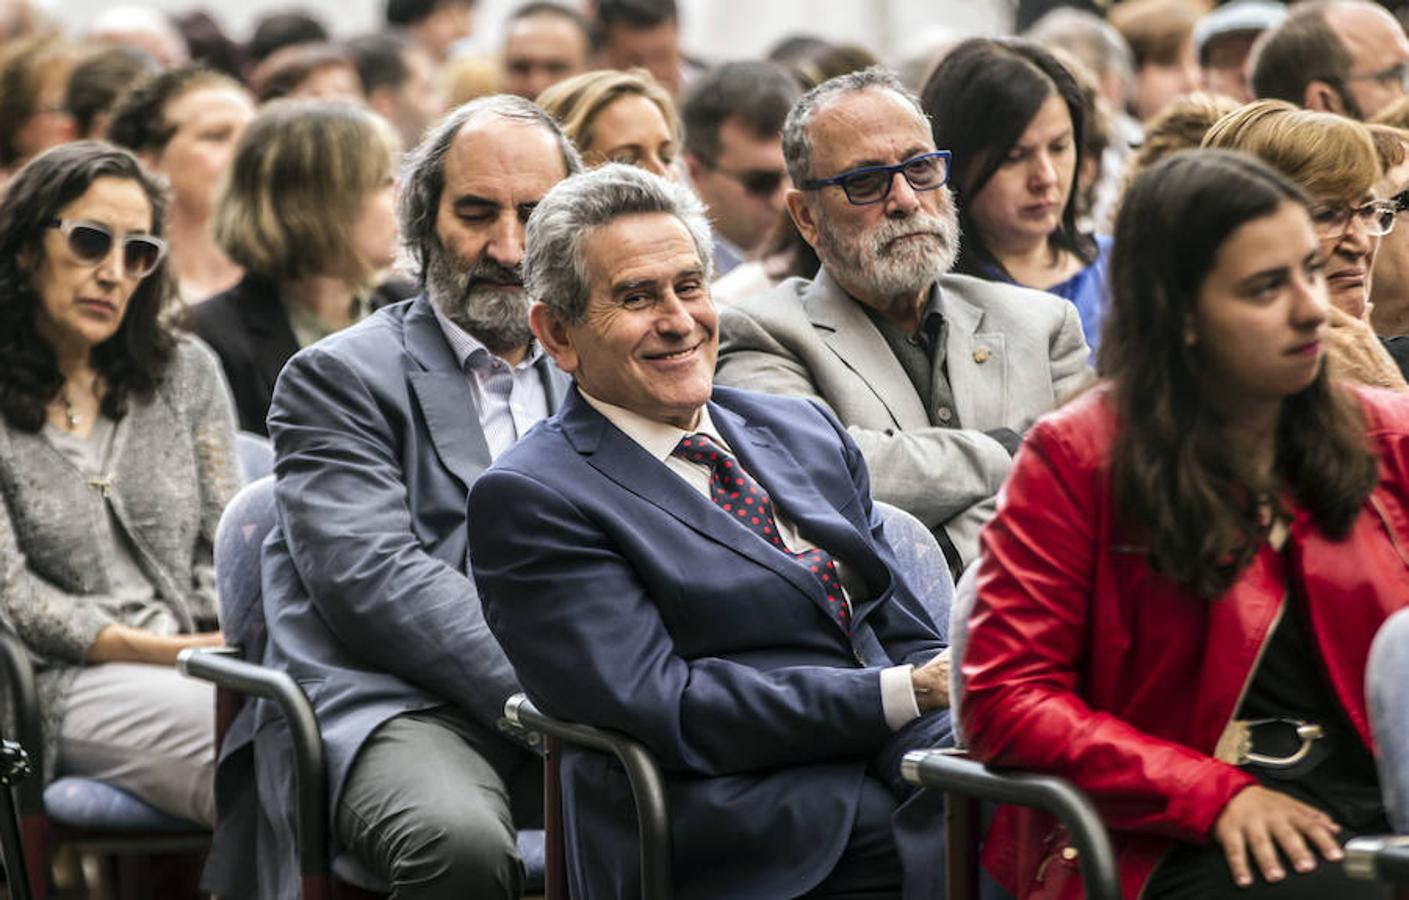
(898,696)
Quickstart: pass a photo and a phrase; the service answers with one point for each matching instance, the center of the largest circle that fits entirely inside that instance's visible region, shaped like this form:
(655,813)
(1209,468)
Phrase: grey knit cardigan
(172,470)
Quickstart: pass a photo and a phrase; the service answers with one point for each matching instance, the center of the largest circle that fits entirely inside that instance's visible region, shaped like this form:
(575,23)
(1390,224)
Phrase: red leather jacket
(1084,662)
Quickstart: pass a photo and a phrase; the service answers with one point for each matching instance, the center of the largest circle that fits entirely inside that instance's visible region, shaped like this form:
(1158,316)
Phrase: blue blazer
(367,597)
(627,600)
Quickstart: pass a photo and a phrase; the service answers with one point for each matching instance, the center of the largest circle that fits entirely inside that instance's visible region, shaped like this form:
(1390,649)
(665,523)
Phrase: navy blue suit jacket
(626,599)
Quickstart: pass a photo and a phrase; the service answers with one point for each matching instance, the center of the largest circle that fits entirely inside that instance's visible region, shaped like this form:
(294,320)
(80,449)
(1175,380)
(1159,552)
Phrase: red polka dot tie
(734,491)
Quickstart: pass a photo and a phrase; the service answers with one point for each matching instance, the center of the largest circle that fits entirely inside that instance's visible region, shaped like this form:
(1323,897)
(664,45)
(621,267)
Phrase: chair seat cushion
(98,806)
(348,869)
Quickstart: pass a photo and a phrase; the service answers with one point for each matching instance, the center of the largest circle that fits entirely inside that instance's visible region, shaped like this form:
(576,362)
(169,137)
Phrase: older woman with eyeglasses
(1334,160)
(116,460)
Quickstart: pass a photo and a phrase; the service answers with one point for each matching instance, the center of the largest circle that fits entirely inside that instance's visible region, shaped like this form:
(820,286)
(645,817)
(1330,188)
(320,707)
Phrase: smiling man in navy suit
(702,569)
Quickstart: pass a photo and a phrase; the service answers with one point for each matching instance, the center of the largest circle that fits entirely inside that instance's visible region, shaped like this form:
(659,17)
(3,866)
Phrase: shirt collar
(470,352)
(657,438)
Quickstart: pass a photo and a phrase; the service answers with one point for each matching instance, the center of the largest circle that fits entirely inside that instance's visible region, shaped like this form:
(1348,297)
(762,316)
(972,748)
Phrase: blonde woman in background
(309,212)
(623,117)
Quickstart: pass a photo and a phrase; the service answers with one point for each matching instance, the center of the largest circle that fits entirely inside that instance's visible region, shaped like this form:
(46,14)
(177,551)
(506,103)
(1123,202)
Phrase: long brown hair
(1172,474)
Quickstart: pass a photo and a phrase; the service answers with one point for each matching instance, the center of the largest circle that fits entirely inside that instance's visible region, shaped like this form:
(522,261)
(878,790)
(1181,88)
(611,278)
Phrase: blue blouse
(1087,290)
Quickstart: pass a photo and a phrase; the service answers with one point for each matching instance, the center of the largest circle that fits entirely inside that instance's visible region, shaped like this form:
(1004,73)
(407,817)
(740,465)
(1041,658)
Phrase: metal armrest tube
(310,767)
(23,700)
(1379,858)
(946,772)
(647,785)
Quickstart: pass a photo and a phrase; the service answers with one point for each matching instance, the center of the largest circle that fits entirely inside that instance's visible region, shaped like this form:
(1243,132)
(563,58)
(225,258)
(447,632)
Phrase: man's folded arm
(350,532)
(590,645)
(933,473)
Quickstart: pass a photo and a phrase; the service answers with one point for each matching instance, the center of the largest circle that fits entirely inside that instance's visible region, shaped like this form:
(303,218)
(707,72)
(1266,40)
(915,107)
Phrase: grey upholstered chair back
(243,527)
(1386,674)
(965,594)
(256,455)
(921,561)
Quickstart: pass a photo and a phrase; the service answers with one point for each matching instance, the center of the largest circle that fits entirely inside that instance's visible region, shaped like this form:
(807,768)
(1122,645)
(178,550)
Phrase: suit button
(944,413)
(980,355)
(1070,853)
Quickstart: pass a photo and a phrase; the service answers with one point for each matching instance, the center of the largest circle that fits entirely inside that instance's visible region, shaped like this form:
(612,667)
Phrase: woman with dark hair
(1178,592)
(116,459)
(309,212)
(1013,118)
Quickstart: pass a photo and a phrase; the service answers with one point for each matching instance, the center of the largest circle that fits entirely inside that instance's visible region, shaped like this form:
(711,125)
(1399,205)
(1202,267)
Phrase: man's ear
(804,214)
(552,335)
(1323,97)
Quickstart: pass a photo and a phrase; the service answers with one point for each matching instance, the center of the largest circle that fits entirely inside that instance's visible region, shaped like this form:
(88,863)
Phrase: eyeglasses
(1331,220)
(871,184)
(1400,201)
(758,182)
(1397,74)
(91,242)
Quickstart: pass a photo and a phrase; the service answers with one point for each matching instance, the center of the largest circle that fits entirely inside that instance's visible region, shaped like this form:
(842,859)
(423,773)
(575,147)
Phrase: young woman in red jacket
(1178,593)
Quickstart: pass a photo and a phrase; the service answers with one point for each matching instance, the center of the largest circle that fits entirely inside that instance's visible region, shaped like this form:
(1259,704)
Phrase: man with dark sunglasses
(733,118)
(934,375)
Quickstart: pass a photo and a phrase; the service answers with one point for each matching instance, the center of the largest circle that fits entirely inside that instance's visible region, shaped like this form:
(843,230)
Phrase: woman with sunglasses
(117,457)
(1334,160)
(1013,117)
(1177,595)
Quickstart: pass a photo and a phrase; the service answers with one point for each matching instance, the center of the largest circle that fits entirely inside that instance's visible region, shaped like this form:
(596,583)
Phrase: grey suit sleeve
(1069,354)
(354,543)
(935,474)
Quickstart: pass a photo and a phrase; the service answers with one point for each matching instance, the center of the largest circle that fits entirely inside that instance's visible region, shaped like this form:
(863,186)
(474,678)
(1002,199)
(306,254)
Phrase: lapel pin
(981,355)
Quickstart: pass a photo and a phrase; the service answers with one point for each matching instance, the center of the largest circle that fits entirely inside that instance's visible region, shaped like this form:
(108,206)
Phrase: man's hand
(931,683)
(1259,820)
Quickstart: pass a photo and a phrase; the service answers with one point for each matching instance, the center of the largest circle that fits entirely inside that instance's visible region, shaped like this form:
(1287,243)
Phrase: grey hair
(1088,37)
(423,171)
(555,265)
(797,139)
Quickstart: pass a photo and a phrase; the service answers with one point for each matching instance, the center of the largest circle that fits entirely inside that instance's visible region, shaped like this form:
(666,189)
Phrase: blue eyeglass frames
(871,184)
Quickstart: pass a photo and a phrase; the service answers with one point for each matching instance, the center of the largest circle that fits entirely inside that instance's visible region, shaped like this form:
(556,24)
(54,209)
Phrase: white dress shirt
(511,399)
(660,439)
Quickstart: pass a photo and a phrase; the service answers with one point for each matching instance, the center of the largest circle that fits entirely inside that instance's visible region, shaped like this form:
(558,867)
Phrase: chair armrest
(1380,858)
(221,667)
(23,700)
(647,785)
(957,775)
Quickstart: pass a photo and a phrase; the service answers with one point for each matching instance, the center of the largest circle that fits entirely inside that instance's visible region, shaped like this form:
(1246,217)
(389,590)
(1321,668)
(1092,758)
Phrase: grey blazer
(172,470)
(368,601)
(1012,354)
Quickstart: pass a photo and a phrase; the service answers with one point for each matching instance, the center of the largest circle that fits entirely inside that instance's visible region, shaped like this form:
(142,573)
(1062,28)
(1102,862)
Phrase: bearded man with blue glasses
(934,375)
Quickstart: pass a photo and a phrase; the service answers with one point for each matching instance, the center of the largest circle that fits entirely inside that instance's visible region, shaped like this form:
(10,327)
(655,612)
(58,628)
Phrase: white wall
(713,29)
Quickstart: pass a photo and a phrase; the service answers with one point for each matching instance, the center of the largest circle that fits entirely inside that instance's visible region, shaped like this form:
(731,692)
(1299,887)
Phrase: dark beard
(493,313)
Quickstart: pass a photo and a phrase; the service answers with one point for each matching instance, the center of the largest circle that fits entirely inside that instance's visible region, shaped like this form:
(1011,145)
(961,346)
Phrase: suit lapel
(977,365)
(798,498)
(626,463)
(445,399)
(848,331)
